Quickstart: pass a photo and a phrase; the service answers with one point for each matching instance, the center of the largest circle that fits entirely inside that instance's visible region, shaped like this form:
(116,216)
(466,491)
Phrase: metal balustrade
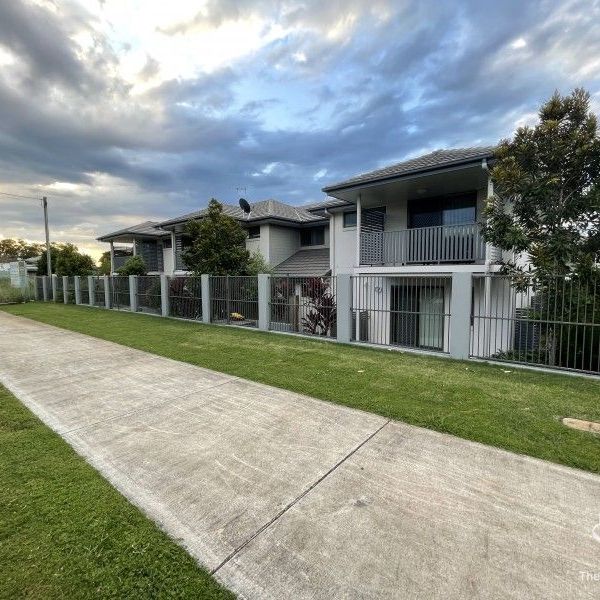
(424,245)
(234,300)
(304,305)
(551,322)
(408,311)
(185,298)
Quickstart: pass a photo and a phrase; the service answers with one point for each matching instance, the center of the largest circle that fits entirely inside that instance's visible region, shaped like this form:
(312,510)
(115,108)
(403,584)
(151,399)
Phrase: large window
(254,232)
(444,210)
(315,236)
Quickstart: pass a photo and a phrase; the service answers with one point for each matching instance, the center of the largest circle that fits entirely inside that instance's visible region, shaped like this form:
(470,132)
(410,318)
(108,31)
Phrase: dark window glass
(312,237)
(166,242)
(450,210)
(350,219)
(254,232)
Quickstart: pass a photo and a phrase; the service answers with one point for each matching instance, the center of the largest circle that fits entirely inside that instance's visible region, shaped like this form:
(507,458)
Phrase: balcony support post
(358,228)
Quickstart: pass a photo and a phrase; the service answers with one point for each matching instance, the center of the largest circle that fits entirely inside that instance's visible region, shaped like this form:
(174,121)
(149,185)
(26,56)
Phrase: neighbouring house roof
(428,162)
(264,209)
(147,228)
(305,263)
(324,204)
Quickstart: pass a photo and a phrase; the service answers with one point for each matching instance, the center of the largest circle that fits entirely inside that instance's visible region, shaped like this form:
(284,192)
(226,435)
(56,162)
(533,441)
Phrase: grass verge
(66,533)
(501,406)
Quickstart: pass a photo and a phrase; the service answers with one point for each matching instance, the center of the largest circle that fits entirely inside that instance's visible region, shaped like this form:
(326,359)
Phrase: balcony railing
(425,245)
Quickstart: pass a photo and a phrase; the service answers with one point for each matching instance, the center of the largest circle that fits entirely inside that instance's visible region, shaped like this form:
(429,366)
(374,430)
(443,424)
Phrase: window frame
(250,235)
(350,212)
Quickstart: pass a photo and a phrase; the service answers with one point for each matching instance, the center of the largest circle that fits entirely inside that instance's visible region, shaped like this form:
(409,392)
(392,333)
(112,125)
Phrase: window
(254,232)
(166,242)
(350,219)
(312,237)
(445,210)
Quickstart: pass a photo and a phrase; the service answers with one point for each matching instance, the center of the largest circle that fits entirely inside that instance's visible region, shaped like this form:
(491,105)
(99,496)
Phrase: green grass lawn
(498,405)
(66,533)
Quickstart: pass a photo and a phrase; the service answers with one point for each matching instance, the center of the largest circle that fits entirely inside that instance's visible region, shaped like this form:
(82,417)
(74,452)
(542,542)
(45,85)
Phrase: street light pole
(48,255)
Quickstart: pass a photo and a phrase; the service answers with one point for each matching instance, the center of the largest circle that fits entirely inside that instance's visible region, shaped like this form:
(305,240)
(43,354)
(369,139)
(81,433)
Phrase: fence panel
(70,290)
(59,290)
(148,294)
(98,283)
(304,305)
(39,286)
(119,292)
(84,290)
(185,298)
(408,311)
(553,322)
(234,300)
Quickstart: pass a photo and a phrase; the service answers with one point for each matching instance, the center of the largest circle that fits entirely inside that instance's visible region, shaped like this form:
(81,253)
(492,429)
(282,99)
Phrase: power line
(20,196)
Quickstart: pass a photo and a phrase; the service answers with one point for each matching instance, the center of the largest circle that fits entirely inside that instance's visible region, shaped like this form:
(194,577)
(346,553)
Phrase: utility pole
(48,254)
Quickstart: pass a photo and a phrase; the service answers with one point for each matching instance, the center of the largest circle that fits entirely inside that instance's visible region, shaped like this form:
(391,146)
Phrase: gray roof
(305,263)
(434,160)
(329,203)
(147,228)
(264,209)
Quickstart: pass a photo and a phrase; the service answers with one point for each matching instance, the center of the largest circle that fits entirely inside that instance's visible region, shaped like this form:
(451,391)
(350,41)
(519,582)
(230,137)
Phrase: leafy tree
(104,268)
(66,260)
(257,264)
(547,190)
(11,249)
(218,244)
(134,266)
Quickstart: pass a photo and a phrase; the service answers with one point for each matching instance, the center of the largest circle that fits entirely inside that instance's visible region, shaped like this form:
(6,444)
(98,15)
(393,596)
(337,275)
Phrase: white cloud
(518,43)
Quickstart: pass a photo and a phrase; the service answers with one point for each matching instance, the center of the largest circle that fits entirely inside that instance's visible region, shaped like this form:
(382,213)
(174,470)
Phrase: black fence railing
(234,300)
(185,298)
(119,292)
(148,294)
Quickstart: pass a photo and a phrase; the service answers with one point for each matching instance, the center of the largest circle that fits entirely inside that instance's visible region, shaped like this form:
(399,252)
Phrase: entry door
(431,317)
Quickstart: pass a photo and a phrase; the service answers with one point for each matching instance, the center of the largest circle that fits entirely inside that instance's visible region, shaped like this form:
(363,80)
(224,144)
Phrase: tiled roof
(427,162)
(305,263)
(329,203)
(265,209)
(148,228)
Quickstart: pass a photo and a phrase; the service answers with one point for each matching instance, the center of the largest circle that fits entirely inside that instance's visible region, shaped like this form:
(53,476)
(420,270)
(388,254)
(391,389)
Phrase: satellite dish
(245,206)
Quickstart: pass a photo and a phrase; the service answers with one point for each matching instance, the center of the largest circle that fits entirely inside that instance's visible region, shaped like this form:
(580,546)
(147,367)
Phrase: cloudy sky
(126,110)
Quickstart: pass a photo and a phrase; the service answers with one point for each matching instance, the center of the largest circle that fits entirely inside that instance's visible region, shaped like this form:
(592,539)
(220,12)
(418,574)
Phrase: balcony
(424,245)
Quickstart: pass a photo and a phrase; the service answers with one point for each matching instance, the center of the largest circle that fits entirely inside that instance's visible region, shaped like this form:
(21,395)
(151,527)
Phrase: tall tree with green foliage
(17,249)
(67,260)
(104,263)
(218,244)
(546,201)
(134,265)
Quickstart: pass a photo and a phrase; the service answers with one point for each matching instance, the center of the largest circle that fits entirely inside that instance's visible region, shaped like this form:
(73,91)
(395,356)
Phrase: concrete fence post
(460,315)
(65,281)
(45,287)
(54,290)
(91,290)
(133,293)
(164,295)
(106,291)
(343,292)
(77,285)
(205,292)
(264,301)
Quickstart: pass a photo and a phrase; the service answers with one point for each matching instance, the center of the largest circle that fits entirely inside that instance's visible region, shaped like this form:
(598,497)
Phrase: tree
(547,190)
(218,244)
(257,264)
(66,260)
(104,268)
(11,249)
(134,266)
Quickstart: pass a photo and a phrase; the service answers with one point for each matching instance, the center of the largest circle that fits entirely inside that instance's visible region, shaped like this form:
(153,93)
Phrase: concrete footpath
(285,496)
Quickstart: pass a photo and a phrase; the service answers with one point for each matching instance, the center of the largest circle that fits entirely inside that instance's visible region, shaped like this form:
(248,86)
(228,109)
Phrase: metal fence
(70,289)
(39,287)
(304,305)
(58,282)
(99,296)
(234,300)
(148,294)
(185,298)
(409,311)
(119,292)
(554,322)
(84,290)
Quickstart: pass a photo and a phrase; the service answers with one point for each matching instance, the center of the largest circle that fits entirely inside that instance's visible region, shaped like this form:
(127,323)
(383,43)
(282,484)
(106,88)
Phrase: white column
(174,250)
(460,314)
(133,298)
(358,228)
(106,291)
(112,257)
(205,287)
(264,304)
(343,287)
(164,295)
(91,290)
(134,248)
(77,284)
(65,281)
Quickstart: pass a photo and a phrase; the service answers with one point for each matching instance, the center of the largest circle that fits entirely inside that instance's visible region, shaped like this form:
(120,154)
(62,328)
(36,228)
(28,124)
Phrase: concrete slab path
(285,496)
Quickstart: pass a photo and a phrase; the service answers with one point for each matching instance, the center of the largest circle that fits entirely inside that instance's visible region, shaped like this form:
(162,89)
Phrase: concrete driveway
(285,496)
